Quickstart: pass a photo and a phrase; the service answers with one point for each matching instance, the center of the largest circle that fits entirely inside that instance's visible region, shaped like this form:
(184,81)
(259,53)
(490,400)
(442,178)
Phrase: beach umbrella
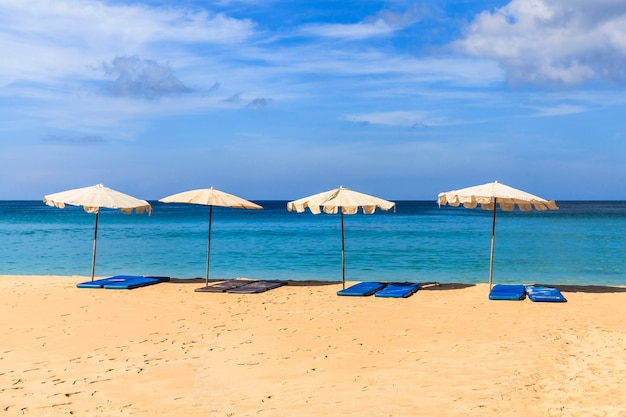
(491,195)
(340,198)
(92,199)
(210,197)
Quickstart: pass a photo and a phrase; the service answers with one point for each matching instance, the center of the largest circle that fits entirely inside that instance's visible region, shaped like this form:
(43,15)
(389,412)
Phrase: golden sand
(300,350)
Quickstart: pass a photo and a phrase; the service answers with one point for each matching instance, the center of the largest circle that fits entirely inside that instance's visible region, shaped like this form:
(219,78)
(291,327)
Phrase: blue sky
(281,99)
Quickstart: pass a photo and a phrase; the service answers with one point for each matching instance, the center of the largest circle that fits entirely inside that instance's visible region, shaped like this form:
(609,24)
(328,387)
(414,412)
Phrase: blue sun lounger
(225,285)
(130,282)
(256,287)
(507,292)
(122,282)
(100,283)
(398,290)
(539,293)
(362,289)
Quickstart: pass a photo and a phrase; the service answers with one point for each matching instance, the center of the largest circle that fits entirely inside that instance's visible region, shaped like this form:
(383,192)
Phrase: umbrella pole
(93,255)
(208,246)
(343,263)
(493,235)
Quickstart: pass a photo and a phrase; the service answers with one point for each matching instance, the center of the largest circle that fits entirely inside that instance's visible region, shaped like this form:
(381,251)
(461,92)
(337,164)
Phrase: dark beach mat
(362,289)
(160,279)
(398,290)
(258,287)
(224,285)
(507,292)
(538,293)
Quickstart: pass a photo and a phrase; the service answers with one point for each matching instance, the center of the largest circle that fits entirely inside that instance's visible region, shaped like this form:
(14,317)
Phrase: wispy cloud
(405,119)
(552,41)
(234,99)
(259,103)
(48,42)
(383,23)
(558,110)
(361,30)
(75,140)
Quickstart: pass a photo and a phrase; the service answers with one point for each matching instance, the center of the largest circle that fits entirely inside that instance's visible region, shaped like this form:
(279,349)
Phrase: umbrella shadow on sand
(591,289)
(435,286)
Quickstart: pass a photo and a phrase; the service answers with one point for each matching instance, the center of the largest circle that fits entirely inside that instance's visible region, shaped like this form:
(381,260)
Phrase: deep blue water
(582,243)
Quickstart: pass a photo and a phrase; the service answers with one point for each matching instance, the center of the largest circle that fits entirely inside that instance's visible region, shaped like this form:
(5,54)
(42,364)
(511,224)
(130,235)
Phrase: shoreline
(590,288)
(302,350)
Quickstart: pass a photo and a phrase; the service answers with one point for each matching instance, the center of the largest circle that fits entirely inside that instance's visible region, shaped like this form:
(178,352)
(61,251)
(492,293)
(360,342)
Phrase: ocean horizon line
(392,199)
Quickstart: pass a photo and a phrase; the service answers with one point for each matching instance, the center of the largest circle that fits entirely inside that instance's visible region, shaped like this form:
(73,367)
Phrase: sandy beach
(301,350)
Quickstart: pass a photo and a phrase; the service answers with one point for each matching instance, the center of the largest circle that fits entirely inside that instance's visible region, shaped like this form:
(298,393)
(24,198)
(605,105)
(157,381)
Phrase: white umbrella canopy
(487,194)
(210,197)
(92,199)
(491,195)
(331,201)
(95,197)
(349,201)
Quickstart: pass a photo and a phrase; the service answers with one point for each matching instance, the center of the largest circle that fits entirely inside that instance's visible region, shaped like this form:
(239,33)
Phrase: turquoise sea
(583,243)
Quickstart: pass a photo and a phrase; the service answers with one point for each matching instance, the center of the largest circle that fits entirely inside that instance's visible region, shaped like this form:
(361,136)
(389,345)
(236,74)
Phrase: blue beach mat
(130,283)
(362,289)
(398,290)
(539,293)
(256,287)
(224,286)
(507,292)
(122,282)
(100,283)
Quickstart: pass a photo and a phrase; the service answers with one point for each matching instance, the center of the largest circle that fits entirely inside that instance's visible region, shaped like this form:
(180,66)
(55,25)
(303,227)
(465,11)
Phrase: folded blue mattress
(98,283)
(130,283)
(507,292)
(398,290)
(539,293)
(362,289)
(121,282)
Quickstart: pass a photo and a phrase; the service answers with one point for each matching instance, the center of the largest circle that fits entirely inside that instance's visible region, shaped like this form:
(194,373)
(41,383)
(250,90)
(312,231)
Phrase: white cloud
(56,44)
(408,119)
(552,41)
(559,110)
(91,20)
(49,39)
(383,23)
(361,30)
